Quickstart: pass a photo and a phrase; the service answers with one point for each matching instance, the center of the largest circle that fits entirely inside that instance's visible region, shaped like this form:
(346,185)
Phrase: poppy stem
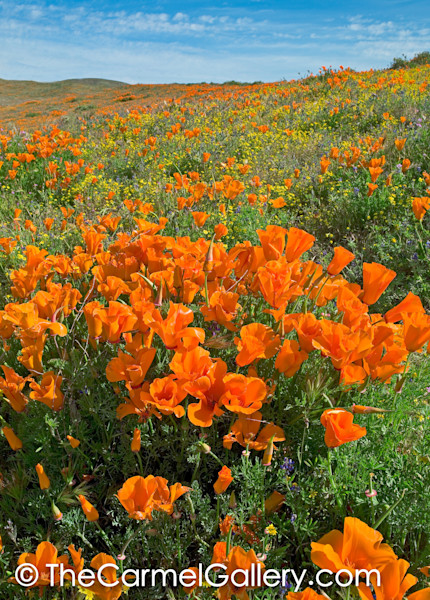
(129,540)
(193,519)
(332,481)
(206,291)
(372,501)
(219,461)
(139,460)
(196,468)
(389,510)
(230,533)
(218,502)
(105,537)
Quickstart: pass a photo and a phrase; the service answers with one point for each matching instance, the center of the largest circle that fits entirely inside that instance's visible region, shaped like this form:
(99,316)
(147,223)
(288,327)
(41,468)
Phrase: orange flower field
(215,332)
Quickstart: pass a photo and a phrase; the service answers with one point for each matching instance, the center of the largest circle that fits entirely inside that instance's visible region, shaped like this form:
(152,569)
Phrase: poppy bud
(223,481)
(204,448)
(209,260)
(136,443)
(43,478)
(232,503)
(358,409)
(13,440)
(268,453)
(89,510)
(58,515)
(159,298)
(73,441)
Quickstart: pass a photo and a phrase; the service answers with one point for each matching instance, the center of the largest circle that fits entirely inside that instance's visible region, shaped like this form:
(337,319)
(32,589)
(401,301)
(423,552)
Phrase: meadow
(214,325)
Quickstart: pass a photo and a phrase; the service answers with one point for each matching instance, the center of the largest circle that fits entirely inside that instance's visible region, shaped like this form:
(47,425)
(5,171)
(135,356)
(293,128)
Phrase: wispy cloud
(56,41)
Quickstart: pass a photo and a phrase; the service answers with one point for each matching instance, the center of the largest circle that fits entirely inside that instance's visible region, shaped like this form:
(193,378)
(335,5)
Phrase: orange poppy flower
(324,164)
(290,358)
(12,385)
(223,481)
(113,288)
(358,547)
(116,320)
(408,306)
(307,594)
(371,187)
(274,502)
(166,394)
(420,206)
(400,144)
(341,258)
(130,368)
(238,560)
(243,394)
(140,496)
(272,240)
(406,163)
(7,244)
(200,218)
(137,496)
(220,231)
(298,242)
(31,357)
(113,588)
(376,279)
(416,331)
(307,327)
(394,582)
(136,441)
(165,496)
(173,326)
(12,439)
(73,441)
(341,344)
(339,427)
(93,241)
(137,403)
(43,478)
(244,431)
(208,387)
(223,308)
(46,554)
(48,391)
(89,510)
(423,594)
(256,341)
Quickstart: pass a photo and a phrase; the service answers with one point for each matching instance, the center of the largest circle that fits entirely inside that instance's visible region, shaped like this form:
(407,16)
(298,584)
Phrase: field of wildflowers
(214,325)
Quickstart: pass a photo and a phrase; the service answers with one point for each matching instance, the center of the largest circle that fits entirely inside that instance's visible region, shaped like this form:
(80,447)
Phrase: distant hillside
(28,105)
(13,92)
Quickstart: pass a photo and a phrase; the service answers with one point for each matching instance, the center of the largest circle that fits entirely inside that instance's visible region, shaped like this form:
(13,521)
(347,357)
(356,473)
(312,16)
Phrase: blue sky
(164,41)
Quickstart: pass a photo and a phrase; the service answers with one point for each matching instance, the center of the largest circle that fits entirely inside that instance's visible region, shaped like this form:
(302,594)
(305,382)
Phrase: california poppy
(43,478)
(13,440)
(358,547)
(256,341)
(339,427)
(89,510)
(341,258)
(223,481)
(297,243)
(376,279)
(243,394)
(46,554)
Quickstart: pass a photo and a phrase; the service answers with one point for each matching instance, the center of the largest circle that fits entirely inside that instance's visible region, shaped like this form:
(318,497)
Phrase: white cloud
(49,42)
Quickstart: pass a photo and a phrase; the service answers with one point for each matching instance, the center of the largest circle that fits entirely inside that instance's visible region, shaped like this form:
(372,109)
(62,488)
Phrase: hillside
(31,104)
